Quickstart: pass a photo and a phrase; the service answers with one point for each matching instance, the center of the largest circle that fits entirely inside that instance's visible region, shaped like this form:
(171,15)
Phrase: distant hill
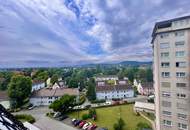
(135,63)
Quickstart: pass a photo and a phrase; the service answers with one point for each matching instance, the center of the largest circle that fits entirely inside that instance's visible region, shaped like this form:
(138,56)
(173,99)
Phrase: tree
(19,89)
(149,75)
(141,126)
(119,125)
(64,104)
(91,93)
(41,75)
(54,78)
(5,78)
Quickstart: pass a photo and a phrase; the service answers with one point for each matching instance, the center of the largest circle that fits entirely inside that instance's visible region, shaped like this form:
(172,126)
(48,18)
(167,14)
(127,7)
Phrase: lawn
(106,117)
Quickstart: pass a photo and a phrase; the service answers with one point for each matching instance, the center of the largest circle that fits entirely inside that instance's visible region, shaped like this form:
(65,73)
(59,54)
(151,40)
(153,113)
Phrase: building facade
(46,96)
(171,45)
(37,85)
(145,88)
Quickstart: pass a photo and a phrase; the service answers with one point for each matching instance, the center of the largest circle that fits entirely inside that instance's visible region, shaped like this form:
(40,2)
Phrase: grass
(149,115)
(107,116)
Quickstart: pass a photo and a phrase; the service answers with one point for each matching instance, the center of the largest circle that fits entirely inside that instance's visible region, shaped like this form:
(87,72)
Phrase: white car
(32,107)
(85,127)
(57,114)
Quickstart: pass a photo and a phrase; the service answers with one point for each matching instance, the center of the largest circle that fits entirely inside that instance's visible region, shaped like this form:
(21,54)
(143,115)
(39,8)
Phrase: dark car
(77,122)
(63,117)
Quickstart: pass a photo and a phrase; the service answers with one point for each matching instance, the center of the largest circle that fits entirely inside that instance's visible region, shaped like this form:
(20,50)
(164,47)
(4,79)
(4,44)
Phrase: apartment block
(171,47)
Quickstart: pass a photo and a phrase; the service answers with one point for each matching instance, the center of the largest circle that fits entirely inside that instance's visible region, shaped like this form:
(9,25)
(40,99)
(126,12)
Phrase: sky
(67,32)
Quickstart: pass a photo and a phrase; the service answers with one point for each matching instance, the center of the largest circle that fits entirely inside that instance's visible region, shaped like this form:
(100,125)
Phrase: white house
(145,88)
(135,83)
(36,85)
(121,90)
(105,78)
(46,96)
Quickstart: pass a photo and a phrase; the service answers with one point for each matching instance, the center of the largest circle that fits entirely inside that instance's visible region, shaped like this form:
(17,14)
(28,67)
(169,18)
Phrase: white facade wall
(42,101)
(115,94)
(38,86)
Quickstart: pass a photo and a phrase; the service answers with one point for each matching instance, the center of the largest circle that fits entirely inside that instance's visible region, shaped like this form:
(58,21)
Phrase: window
(181,85)
(166,104)
(166,94)
(165,64)
(164,45)
(167,113)
(167,123)
(182,116)
(164,54)
(182,126)
(165,74)
(164,35)
(182,106)
(180,74)
(180,64)
(181,95)
(50,97)
(180,53)
(179,33)
(179,43)
(165,84)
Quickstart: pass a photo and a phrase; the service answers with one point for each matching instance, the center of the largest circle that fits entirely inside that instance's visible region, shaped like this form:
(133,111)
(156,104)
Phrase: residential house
(46,96)
(4,99)
(36,85)
(105,78)
(120,89)
(145,88)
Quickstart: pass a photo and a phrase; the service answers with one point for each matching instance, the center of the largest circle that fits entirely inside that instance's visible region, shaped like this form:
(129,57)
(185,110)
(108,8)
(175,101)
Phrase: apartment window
(182,106)
(182,126)
(164,54)
(165,64)
(167,113)
(164,45)
(182,116)
(181,95)
(166,104)
(166,94)
(164,35)
(50,97)
(181,85)
(165,84)
(180,53)
(180,43)
(179,33)
(165,74)
(180,74)
(167,122)
(181,64)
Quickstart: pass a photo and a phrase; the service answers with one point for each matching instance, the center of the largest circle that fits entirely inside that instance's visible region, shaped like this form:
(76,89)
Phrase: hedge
(25,117)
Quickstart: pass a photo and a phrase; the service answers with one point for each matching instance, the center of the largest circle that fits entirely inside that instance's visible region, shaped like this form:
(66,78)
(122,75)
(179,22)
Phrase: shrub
(92,113)
(119,125)
(142,125)
(98,101)
(25,117)
(85,116)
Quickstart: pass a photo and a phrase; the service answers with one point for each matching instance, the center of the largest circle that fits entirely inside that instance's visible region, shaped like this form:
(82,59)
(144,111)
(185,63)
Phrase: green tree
(91,93)
(19,89)
(41,75)
(5,78)
(119,125)
(54,78)
(141,126)
(64,104)
(149,75)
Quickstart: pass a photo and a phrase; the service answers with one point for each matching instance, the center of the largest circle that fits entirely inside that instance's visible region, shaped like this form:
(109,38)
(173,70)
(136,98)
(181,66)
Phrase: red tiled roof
(3,95)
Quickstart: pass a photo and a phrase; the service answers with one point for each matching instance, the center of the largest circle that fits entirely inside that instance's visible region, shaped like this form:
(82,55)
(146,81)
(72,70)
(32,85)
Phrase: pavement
(46,123)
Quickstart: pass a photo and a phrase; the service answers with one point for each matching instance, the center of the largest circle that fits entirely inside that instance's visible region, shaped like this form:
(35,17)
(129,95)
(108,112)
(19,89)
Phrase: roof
(30,126)
(165,23)
(4,96)
(145,105)
(113,87)
(34,82)
(147,85)
(48,92)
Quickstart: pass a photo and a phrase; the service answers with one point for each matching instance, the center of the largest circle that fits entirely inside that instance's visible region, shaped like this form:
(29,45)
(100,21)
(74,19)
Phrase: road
(43,122)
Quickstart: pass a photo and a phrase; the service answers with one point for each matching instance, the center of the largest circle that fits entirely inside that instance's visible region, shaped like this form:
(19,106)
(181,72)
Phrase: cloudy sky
(64,32)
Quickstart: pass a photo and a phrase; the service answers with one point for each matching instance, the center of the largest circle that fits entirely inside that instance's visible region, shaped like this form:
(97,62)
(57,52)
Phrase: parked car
(85,127)
(77,122)
(82,123)
(73,120)
(32,107)
(62,117)
(57,114)
(92,127)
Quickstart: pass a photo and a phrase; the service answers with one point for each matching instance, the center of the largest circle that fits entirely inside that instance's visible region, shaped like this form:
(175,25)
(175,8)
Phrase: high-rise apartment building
(171,45)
